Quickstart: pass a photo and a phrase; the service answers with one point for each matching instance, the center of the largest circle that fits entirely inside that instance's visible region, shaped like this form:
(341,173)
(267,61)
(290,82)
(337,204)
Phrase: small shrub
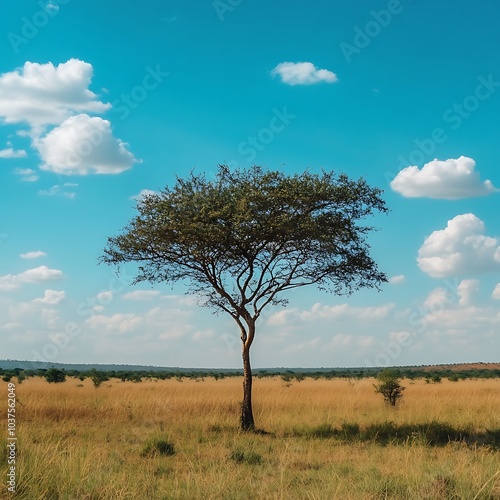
(157,447)
(237,456)
(98,377)
(389,387)
(248,457)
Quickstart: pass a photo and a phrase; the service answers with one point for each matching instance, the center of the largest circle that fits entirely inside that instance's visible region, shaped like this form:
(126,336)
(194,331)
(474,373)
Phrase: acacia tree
(246,236)
(389,386)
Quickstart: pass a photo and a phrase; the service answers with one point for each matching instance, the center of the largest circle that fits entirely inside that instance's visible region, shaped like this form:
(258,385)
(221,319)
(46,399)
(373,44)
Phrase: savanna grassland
(323,439)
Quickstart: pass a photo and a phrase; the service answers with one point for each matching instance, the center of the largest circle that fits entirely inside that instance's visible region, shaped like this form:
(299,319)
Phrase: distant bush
(53,375)
(98,377)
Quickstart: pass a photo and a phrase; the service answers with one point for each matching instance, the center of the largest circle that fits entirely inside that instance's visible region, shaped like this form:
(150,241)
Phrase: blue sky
(102,100)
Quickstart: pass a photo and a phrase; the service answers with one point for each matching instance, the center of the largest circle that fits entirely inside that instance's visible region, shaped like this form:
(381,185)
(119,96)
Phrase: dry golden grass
(78,442)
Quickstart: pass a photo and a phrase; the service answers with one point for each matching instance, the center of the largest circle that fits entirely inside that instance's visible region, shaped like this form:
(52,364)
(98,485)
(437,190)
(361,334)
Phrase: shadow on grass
(431,434)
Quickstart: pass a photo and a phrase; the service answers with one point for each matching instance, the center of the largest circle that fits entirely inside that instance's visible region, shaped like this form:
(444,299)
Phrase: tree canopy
(244,237)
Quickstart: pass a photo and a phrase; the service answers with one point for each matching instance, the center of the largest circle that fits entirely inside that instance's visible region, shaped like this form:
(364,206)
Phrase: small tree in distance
(389,387)
(247,236)
(97,377)
(53,375)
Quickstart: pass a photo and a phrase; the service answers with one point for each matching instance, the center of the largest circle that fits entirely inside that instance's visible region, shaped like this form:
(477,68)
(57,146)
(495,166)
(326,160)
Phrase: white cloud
(460,248)
(164,324)
(462,317)
(43,94)
(51,297)
(467,290)
(140,196)
(345,311)
(307,345)
(438,299)
(59,189)
(141,295)
(450,179)
(83,145)
(27,174)
(338,312)
(204,334)
(302,73)
(38,275)
(347,340)
(397,280)
(105,297)
(117,323)
(496,292)
(13,153)
(33,255)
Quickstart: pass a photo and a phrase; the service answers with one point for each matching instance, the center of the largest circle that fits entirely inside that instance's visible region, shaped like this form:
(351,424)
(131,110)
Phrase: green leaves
(246,236)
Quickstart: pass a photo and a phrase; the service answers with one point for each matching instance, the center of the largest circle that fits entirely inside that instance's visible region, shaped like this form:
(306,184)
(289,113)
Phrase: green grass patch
(245,457)
(157,447)
(432,434)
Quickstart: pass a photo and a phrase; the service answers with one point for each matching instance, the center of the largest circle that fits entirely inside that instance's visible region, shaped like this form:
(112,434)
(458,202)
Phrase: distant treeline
(430,375)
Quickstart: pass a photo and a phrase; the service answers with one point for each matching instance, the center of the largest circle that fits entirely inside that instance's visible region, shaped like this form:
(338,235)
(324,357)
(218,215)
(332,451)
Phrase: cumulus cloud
(117,323)
(44,94)
(60,189)
(303,73)
(454,312)
(162,323)
(397,280)
(345,311)
(105,297)
(12,153)
(57,104)
(496,292)
(51,297)
(27,174)
(467,290)
(33,255)
(83,145)
(450,179)
(38,275)
(338,312)
(437,299)
(141,295)
(460,248)
(143,194)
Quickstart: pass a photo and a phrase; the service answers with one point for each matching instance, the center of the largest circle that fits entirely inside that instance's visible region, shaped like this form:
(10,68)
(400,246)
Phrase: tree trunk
(247,422)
